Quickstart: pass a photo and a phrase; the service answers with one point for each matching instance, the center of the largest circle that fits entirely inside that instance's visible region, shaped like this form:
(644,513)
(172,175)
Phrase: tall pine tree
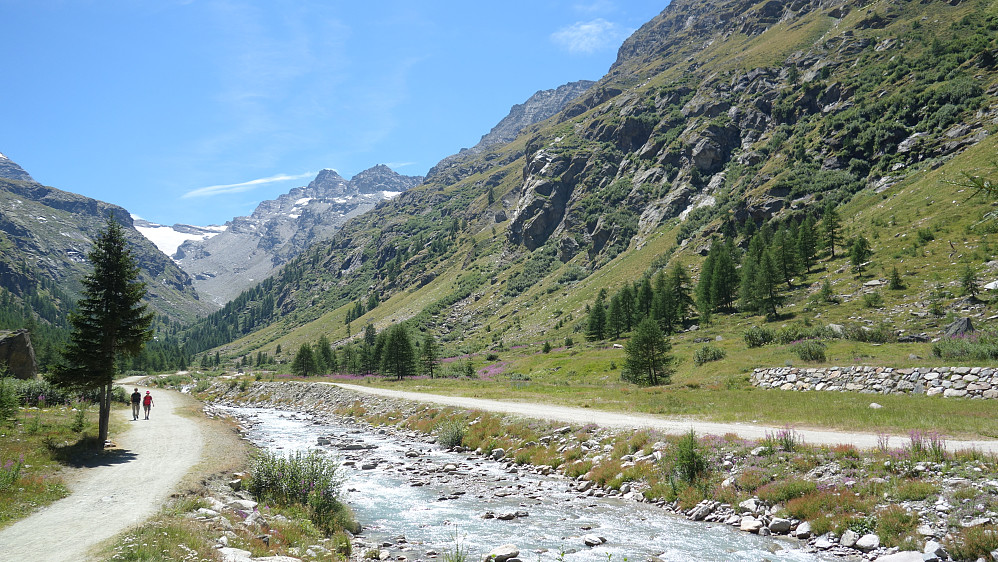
(110,322)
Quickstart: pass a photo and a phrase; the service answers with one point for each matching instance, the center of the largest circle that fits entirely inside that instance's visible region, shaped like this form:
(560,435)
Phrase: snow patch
(168,239)
(390,194)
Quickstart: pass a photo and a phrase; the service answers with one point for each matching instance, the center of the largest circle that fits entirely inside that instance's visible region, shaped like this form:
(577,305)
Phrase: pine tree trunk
(105,415)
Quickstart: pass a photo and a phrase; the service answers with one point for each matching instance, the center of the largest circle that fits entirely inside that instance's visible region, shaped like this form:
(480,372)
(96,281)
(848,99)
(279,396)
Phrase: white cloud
(243,186)
(589,37)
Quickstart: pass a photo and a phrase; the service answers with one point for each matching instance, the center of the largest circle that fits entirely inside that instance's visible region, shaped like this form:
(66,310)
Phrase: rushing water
(410,505)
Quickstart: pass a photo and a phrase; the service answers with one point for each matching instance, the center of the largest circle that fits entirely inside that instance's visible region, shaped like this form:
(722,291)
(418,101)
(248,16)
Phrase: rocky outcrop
(10,170)
(537,108)
(949,382)
(17,355)
(251,248)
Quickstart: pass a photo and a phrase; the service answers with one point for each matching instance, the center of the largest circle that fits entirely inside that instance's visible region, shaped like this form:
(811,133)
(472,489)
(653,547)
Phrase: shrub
(306,479)
(973,543)
(894,524)
(809,350)
(688,461)
(881,333)
(757,337)
(752,479)
(799,331)
(451,434)
(873,300)
(981,346)
(784,490)
(708,353)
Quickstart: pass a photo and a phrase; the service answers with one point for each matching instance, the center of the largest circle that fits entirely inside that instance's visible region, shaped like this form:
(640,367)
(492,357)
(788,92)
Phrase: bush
(873,300)
(800,331)
(708,353)
(784,490)
(881,333)
(981,346)
(973,543)
(304,479)
(809,350)
(451,434)
(758,337)
(689,462)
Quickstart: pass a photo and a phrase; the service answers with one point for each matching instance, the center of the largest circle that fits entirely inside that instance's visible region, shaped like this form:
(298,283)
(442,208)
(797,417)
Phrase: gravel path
(618,420)
(153,457)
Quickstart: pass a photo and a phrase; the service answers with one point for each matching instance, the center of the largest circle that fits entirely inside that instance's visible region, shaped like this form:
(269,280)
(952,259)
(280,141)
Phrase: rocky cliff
(251,248)
(46,234)
(16,354)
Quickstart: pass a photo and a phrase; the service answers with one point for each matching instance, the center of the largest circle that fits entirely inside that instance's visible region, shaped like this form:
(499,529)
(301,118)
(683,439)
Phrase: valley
(778,216)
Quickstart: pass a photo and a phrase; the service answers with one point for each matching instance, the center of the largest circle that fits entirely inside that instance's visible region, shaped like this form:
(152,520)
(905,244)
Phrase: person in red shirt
(147,403)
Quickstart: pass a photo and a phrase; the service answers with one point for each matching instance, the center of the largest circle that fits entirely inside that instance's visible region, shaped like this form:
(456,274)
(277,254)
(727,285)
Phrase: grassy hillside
(746,117)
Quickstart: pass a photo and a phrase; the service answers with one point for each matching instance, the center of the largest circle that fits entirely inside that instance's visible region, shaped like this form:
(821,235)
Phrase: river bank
(865,504)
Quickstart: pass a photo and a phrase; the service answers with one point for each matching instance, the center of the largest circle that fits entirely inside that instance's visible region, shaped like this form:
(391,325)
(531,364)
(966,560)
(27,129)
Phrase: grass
(34,447)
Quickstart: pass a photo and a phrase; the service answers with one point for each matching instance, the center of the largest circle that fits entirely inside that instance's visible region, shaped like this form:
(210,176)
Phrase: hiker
(147,403)
(136,398)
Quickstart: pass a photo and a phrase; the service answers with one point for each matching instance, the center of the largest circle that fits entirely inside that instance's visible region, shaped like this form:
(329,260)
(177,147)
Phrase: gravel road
(619,420)
(153,457)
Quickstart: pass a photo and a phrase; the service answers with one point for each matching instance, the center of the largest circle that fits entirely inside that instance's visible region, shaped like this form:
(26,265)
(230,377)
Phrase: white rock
(750,524)
(229,554)
(868,542)
(593,540)
(502,553)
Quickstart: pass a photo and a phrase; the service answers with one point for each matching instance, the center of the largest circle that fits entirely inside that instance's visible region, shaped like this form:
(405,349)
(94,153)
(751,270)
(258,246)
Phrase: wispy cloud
(589,37)
(243,186)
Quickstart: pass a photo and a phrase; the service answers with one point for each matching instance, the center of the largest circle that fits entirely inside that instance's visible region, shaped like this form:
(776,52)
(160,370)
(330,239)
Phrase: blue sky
(195,111)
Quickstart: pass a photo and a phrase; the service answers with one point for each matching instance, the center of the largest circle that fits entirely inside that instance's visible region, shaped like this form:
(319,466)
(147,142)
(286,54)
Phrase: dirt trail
(153,457)
(668,425)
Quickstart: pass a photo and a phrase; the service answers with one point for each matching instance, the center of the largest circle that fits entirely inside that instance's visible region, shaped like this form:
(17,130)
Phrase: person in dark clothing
(136,398)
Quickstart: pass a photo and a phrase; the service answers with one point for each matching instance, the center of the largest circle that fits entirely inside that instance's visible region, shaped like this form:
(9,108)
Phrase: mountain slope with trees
(740,125)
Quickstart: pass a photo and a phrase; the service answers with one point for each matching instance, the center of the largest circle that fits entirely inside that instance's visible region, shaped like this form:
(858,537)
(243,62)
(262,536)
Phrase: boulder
(903,556)
(17,354)
(779,526)
(959,327)
(592,540)
(849,538)
(868,542)
(502,553)
(750,524)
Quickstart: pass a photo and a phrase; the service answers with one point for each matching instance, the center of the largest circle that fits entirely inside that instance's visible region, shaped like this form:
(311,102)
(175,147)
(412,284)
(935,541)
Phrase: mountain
(719,119)
(249,249)
(46,233)
(538,107)
(169,238)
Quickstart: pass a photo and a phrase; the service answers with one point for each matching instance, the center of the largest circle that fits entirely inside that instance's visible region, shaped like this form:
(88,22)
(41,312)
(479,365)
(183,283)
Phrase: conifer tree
(399,358)
(679,285)
(615,317)
(859,253)
(304,364)
(807,246)
(596,326)
(766,286)
(367,351)
(647,355)
(785,253)
(627,306)
(325,356)
(830,225)
(429,354)
(110,322)
(646,296)
(724,279)
(704,302)
(969,282)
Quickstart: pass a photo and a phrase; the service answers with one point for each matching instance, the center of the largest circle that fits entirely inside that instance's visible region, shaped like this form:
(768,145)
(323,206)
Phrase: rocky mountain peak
(382,178)
(328,182)
(10,170)
(538,107)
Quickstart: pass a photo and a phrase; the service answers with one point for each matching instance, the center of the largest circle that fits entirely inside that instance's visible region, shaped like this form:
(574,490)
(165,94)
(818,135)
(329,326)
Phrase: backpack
(147,400)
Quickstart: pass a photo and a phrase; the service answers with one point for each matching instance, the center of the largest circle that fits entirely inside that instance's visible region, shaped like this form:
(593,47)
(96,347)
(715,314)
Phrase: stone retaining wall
(957,382)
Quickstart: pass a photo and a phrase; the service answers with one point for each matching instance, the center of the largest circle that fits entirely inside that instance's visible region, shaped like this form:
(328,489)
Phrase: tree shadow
(86,454)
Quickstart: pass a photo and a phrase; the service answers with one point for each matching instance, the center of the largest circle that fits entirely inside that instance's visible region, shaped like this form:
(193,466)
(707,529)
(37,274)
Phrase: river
(417,500)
